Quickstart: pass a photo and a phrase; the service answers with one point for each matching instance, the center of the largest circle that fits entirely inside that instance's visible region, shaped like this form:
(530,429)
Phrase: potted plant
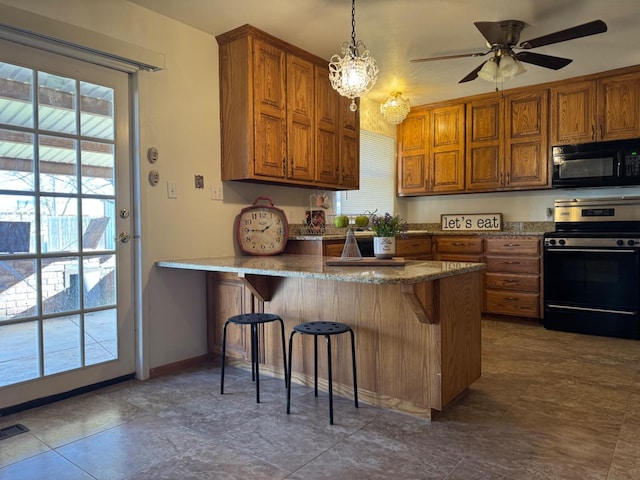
(385,229)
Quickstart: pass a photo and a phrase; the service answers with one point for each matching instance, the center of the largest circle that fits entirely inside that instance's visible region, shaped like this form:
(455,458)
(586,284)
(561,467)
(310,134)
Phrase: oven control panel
(590,242)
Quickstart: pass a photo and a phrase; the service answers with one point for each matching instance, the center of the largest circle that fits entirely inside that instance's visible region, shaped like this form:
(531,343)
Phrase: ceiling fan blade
(447,57)
(546,61)
(491,31)
(472,75)
(584,30)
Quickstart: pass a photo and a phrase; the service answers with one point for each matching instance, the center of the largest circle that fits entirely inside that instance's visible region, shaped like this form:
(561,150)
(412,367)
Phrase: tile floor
(550,405)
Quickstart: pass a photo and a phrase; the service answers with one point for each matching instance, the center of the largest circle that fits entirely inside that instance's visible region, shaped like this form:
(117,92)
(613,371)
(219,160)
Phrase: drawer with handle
(459,244)
(502,281)
(513,246)
(413,247)
(513,303)
(512,264)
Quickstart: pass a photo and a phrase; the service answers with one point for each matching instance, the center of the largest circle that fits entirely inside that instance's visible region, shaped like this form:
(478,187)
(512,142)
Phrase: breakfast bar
(416,323)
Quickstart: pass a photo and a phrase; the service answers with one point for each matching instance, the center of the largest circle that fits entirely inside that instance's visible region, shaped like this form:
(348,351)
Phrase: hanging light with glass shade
(353,74)
(395,108)
(502,66)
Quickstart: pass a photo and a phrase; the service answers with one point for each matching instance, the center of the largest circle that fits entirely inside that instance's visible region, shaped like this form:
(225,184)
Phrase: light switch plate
(217,192)
(172,190)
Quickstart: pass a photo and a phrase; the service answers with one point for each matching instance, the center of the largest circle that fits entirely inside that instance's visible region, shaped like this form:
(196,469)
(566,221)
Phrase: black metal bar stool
(253,319)
(326,329)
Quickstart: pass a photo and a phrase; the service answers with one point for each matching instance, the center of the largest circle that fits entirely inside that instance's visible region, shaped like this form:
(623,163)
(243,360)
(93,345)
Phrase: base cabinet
(512,277)
(227,295)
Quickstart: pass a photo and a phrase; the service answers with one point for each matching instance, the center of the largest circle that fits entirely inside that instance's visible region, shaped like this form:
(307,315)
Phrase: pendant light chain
(353,74)
(353,24)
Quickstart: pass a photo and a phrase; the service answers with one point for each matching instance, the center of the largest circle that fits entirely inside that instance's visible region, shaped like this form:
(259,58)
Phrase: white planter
(384,247)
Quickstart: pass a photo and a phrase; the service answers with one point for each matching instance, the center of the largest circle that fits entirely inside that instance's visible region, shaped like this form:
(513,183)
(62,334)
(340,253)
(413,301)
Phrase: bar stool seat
(326,329)
(253,319)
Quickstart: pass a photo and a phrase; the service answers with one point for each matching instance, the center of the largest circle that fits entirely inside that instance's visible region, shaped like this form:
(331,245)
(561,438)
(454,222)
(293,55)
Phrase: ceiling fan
(503,37)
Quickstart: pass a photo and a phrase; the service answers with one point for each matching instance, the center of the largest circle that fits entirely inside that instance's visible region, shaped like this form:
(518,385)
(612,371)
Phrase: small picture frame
(316,220)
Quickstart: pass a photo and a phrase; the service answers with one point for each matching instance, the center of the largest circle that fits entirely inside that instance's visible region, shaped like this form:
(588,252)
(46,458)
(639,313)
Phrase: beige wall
(179,112)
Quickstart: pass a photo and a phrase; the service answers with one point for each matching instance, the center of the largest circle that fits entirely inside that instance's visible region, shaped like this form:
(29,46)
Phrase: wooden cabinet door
(350,162)
(349,144)
(485,144)
(327,103)
(412,154)
(527,140)
(573,113)
(270,107)
(227,296)
(619,107)
(300,106)
(446,172)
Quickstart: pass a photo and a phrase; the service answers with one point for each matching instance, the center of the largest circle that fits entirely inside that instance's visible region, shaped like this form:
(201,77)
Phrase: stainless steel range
(592,267)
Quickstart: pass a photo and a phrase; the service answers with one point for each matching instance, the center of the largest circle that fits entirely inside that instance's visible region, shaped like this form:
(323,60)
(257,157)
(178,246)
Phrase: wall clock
(262,229)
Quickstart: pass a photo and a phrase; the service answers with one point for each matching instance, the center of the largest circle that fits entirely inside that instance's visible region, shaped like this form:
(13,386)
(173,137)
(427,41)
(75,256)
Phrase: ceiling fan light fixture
(507,66)
(395,108)
(521,68)
(353,74)
(489,70)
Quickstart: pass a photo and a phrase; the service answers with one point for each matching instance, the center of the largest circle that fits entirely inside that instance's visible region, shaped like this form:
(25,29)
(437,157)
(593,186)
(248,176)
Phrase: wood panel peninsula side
(417,327)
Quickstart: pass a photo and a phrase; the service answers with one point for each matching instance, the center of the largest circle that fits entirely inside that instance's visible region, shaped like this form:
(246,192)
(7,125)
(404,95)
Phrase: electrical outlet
(172,190)
(217,192)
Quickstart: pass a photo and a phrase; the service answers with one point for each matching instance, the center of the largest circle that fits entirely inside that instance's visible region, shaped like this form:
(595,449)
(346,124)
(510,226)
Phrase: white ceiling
(396,31)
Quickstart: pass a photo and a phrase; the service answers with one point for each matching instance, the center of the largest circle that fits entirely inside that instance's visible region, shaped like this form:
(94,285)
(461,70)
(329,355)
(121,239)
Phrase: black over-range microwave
(597,164)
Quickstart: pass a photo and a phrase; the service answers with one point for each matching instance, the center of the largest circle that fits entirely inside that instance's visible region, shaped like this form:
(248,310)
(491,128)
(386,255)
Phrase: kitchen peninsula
(417,326)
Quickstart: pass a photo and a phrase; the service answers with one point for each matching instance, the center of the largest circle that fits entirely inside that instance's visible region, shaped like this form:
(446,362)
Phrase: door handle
(124,237)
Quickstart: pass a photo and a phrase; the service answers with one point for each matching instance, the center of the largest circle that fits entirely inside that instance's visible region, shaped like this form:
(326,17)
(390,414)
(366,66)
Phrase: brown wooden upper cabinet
(527,140)
(349,144)
(446,142)
(412,154)
(606,108)
(431,151)
(507,142)
(485,144)
(281,122)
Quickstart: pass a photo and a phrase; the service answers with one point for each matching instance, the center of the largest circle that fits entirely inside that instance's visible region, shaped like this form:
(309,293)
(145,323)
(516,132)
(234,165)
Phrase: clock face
(262,230)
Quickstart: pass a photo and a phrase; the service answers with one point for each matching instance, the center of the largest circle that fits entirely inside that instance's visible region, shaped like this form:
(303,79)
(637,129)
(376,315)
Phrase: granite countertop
(311,266)
(298,232)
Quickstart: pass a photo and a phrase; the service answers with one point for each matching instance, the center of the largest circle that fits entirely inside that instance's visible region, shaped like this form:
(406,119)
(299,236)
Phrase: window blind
(377,177)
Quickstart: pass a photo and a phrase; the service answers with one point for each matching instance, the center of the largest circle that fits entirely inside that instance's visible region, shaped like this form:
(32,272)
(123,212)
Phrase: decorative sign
(474,221)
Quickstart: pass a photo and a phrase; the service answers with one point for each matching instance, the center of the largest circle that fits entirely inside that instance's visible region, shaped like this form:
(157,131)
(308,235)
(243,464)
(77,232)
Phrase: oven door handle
(588,250)
(601,310)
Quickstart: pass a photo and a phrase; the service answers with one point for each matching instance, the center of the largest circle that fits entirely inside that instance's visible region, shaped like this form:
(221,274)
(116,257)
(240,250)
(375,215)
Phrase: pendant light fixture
(395,108)
(353,74)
